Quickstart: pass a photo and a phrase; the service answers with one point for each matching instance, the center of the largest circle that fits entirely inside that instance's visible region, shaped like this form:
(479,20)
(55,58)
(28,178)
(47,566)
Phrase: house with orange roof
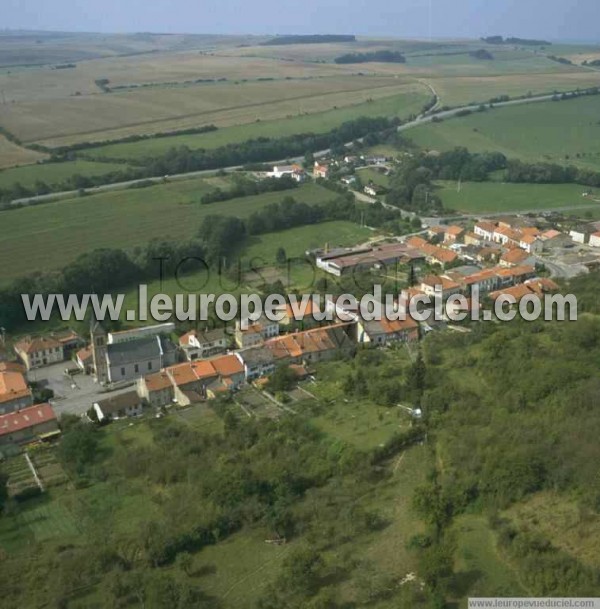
(435,231)
(309,346)
(517,292)
(321,170)
(157,389)
(432,284)
(14,392)
(514,257)
(416,242)
(190,380)
(383,332)
(28,425)
(484,280)
(230,369)
(542,285)
(454,234)
(516,274)
(505,235)
(439,255)
(531,243)
(485,230)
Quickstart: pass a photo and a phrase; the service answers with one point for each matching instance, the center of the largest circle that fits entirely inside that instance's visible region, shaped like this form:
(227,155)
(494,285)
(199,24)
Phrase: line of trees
(219,238)
(182,159)
(244,187)
(383,56)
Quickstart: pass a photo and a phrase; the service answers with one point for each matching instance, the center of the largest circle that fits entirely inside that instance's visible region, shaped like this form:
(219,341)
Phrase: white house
(295,171)
(580,234)
(485,230)
(595,239)
(127,404)
(200,345)
(257,362)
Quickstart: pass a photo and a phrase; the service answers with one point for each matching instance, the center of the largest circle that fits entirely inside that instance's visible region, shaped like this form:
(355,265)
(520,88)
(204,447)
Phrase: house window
(122,371)
(149,365)
(136,368)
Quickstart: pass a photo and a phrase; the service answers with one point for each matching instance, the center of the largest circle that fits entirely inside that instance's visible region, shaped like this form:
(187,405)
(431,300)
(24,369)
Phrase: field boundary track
(179,117)
(420,120)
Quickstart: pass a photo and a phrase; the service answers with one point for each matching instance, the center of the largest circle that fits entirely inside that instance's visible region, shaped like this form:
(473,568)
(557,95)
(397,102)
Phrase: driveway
(73,395)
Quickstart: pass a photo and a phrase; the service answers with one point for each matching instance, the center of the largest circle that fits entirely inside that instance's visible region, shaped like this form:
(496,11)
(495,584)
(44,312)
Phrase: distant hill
(382,56)
(522,41)
(309,39)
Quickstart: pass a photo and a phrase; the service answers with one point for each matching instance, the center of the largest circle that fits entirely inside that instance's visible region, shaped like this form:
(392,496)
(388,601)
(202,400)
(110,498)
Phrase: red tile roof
(28,417)
(227,365)
(13,386)
(158,381)
(35,344)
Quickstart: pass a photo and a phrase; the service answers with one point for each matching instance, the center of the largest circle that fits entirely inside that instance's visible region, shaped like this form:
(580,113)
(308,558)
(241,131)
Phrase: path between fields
(420,120)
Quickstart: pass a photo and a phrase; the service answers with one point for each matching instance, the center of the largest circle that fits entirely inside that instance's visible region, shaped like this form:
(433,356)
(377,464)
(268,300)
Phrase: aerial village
(107,375)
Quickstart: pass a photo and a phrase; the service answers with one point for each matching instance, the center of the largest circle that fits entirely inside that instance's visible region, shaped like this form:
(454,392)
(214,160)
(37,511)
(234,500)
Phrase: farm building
(28,424)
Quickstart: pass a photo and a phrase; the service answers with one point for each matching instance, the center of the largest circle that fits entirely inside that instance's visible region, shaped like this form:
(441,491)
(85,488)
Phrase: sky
(548,19)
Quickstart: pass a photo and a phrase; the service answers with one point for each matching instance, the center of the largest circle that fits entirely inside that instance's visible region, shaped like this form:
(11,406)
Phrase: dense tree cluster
(481,54)
(513,40)
(384,56)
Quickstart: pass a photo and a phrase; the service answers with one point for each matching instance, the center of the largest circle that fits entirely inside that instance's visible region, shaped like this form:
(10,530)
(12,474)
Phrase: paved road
(420,120)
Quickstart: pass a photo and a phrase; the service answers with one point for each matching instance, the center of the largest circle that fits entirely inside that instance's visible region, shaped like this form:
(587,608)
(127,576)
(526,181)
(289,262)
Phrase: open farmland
(566,132)
(108,116)
(54,173)
(476,197)
(120,219)
(12,155)
(462,90)
(410,101)
(46,83)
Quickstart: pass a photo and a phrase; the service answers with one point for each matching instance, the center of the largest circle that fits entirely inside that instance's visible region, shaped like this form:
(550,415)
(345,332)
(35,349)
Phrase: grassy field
(480,570)
(54,173)
(260,254)
(148,110)
(562,521)
(354,420)
(12,155)
(403,104)
(476,197)
(369,174)
(566,132)
(122,219)
(465,89)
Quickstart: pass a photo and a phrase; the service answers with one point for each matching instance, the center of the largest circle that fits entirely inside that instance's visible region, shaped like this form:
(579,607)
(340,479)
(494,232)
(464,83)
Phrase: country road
(420,120)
